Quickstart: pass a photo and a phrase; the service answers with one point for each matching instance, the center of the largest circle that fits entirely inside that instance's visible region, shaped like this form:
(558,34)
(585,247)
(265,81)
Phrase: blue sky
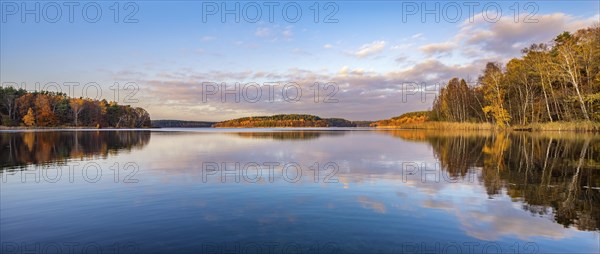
(373,48)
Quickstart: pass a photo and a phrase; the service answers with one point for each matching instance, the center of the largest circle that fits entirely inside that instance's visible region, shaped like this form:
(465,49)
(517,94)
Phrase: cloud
(370,49)
(275,33)
(402,46)
(263,32)
(417,36)
(300,51)
(344,71)
(327,46)
(505,38)
(438,48)
(434,71)
(287,33)
(401,59)
(361,94)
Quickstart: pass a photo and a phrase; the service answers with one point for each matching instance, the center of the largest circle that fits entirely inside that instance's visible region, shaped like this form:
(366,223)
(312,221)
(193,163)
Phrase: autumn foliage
(284,120)
(405,119)
(48,109)
(552,82)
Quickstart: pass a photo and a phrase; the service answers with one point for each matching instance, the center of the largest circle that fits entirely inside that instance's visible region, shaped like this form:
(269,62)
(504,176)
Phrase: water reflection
(288,135)
(539,187)
(545,170)
(19,149)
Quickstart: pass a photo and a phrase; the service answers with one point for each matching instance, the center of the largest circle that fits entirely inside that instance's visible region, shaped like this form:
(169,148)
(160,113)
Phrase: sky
(218,60)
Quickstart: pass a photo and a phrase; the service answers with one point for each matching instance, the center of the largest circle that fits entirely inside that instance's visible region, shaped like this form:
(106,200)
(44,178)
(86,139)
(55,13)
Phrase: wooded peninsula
(285,120)
(19,107)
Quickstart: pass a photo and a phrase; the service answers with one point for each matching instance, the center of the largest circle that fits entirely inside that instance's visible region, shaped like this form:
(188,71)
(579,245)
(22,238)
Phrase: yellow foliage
(29,118)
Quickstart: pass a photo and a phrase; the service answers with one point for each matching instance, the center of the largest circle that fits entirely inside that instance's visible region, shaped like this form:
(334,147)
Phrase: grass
(562,126)
(582,126)
(431,125)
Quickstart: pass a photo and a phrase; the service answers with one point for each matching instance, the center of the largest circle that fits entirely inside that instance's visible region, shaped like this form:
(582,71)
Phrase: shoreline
(546,127)
(584,126)
(16,128)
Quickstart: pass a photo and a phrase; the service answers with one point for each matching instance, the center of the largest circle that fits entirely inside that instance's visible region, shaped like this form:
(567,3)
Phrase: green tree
(8,107)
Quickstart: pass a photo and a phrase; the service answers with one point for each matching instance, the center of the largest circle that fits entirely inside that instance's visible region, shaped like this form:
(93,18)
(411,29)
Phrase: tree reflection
(20,149)
(288,135)
(545,170)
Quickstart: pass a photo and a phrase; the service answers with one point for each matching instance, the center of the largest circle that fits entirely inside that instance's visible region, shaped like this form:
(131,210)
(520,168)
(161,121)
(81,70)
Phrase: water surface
(290,190)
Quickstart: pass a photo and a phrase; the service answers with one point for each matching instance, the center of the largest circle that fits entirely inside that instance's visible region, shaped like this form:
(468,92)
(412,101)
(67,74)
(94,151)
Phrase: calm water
(316,191)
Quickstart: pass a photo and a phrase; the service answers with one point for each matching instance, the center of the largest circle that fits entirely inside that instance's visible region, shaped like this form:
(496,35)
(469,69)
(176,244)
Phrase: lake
(299,191)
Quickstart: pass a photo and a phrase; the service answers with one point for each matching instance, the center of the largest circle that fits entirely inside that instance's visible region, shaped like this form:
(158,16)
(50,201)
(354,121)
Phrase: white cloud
(287,33)
(275,33)
(370,49)
(344,70)
(506,38)
(438,48)
(478,39)
(402,46)
(366,94)
(417,36)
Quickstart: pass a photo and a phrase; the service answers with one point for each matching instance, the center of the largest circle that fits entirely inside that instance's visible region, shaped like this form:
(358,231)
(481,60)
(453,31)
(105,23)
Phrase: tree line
(180,124)
(284,120)
(19,107)
(404,119)
(557,81)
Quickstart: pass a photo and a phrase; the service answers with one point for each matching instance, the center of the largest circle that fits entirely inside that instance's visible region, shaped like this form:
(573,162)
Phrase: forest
(284,120)
(552,85)
(558,81)
(19,107)
(180,124)
(417,117)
